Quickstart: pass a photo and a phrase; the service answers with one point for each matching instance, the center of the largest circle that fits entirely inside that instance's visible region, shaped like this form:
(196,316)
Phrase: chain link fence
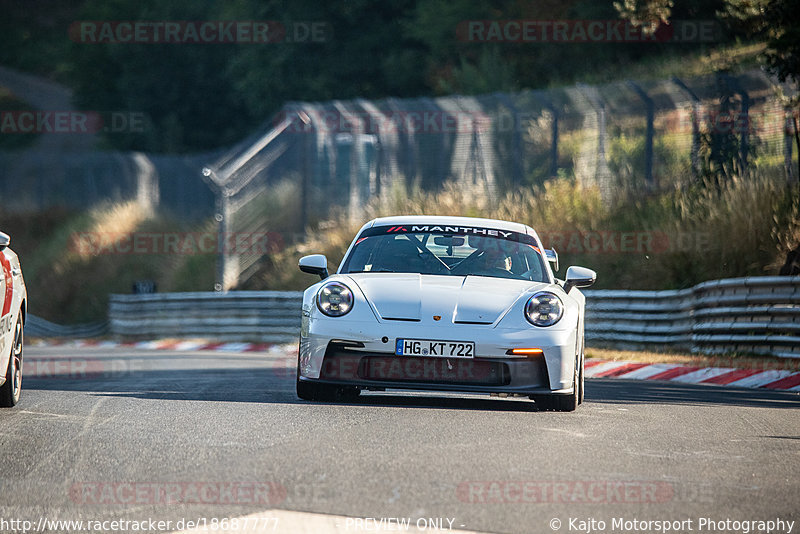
(316,160)
(40,179)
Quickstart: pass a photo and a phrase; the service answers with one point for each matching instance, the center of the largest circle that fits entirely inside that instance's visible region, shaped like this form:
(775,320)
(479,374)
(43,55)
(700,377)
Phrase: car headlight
(335,299)
(544,309)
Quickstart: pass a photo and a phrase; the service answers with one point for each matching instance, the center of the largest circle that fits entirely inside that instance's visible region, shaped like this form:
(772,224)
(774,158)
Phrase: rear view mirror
(5,240)
(314,264)
(449,241)
(552,257)
(579,277)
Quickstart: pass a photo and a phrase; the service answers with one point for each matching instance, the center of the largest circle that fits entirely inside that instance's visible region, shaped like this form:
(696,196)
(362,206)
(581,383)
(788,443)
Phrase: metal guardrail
(752,315)
(272,316)
(38,327)
(759,315)
(318,160)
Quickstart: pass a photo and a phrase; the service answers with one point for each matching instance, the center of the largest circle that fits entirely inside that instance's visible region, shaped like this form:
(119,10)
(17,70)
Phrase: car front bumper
(359,354)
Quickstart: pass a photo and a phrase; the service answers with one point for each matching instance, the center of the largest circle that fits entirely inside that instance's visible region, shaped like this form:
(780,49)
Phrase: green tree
(782,18)
(185,90)
(648,14)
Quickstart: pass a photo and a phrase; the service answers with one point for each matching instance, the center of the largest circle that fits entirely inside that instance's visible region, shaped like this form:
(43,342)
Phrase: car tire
(581,380)
(315,392)
(323,392)
(556,403)
(12,388)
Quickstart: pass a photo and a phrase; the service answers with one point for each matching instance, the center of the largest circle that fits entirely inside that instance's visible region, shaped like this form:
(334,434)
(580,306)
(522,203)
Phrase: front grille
(434,370)
(343,364)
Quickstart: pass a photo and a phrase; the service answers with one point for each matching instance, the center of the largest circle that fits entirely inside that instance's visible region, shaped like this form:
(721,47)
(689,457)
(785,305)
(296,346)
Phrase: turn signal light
(526,352)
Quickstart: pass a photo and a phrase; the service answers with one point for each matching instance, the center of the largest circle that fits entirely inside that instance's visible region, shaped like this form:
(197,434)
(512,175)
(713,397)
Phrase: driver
(491,257)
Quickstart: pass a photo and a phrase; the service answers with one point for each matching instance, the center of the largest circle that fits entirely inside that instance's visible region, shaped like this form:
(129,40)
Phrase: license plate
(435,348)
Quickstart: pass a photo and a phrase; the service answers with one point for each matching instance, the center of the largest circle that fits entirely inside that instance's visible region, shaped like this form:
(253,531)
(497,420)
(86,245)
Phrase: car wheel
(11,389)
(315,392)
(323,392)
(310,391)
(556,403)
(581,381)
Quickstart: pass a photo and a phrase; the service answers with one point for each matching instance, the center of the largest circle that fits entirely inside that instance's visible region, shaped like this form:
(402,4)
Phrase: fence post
(305,179)
(553,131)
(648,149)
(516,143)
(601,171)
(211,178)
(788,148)
(554,142)
(695,124)
(222,256)
(744,140)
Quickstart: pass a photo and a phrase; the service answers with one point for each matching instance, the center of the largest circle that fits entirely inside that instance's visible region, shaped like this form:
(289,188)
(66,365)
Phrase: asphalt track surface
(110,433)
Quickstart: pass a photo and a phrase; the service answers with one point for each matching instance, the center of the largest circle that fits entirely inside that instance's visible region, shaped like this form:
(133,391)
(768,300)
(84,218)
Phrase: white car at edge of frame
(454,304)
(13,311)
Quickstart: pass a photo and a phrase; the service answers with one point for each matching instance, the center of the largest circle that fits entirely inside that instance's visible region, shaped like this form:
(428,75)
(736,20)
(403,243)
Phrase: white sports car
(447,304)
(13,302)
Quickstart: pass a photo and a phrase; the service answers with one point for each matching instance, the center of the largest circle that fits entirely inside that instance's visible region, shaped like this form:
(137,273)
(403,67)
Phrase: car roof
(442,220)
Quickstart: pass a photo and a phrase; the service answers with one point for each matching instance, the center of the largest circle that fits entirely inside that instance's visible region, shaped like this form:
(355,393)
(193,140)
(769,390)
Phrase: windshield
(450,251)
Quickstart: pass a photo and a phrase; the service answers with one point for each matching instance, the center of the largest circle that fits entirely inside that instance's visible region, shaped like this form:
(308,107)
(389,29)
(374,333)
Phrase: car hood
(459,299)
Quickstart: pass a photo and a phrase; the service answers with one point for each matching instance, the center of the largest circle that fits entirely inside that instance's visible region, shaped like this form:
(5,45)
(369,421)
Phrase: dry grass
(559,200)
(695,360)
(71,266)
(744,228)
(110,223)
